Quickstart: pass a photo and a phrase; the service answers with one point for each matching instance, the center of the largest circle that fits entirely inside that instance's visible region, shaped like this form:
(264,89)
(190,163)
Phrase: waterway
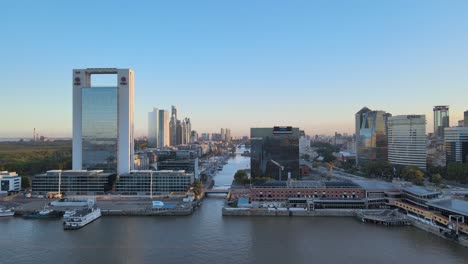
(207,237)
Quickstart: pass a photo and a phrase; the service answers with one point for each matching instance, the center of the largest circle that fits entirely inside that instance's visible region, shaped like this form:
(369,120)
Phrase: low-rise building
(9,182)
(158,182)
(310,194)
(188,165)
(73,182)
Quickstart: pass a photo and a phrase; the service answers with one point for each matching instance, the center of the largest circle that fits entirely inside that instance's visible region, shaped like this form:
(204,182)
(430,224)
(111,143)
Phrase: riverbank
(121,207)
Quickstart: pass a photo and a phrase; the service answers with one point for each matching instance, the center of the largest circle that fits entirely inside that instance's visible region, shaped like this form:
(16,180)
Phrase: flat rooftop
(308,184)
(453,205)
(418,190)
(375,185)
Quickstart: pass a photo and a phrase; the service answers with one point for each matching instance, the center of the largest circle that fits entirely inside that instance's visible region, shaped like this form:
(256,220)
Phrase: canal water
(208,237)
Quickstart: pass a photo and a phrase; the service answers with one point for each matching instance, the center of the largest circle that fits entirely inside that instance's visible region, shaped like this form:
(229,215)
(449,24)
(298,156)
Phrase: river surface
(207,237)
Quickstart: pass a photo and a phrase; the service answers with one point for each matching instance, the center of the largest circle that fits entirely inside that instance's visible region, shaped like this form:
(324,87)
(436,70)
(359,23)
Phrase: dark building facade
(456,144)
(441,120)
(78,182)
(275,152)
(371,136)
(465,122)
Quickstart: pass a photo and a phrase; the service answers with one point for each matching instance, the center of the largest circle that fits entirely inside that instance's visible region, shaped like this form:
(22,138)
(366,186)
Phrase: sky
(236,64)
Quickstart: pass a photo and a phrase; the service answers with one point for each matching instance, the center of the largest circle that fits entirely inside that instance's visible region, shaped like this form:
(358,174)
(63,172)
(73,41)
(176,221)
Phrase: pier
(383,217)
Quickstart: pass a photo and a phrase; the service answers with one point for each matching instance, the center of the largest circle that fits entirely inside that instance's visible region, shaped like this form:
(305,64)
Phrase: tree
(241,177)
(198,188)
(436,179)
(457,172)
(413,174)
(25,182)
(377,169)
(325,150)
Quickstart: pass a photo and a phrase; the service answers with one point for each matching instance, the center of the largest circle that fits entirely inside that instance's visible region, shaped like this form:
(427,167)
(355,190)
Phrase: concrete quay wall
(437,231)
(266,212)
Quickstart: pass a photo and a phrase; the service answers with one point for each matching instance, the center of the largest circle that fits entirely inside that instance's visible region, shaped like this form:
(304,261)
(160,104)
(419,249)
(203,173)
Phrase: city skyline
(264,64)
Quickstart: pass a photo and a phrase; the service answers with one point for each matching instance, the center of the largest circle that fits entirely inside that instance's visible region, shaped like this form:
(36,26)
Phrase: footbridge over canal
(217,192)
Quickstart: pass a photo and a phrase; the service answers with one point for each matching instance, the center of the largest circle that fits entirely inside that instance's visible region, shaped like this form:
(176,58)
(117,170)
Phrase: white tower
(103,121)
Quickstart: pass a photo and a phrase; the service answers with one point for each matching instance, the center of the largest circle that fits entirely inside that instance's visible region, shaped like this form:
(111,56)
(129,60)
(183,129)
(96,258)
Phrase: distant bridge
(217,191)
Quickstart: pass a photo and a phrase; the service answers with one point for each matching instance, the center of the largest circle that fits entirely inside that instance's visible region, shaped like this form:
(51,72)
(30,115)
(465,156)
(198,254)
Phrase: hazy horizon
(309,64)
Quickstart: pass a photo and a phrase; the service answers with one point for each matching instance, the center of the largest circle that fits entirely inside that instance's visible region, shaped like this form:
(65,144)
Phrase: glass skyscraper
(103,122)
(441,120)
(153,128)
(456,144)
(275,152)
(371,136)
(99,128)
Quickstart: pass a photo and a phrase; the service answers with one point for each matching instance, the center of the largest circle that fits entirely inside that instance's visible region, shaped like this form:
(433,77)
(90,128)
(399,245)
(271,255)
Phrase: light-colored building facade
(407,141)
(164,136)
(103,121)
(9,182)
(153,128)
(456,144)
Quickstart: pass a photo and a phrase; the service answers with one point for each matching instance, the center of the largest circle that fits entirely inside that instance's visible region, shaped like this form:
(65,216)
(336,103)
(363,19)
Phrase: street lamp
(151,185)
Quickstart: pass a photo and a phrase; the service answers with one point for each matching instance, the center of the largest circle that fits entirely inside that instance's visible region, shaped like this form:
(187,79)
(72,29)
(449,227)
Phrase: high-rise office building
(186,127)
(173,126)
(153,128)
(164,136)
(456,144)
(275,152)
(178,130)
(103,121)
(407,140)
(371,136)
(441,120)
(223,134)
(465,122)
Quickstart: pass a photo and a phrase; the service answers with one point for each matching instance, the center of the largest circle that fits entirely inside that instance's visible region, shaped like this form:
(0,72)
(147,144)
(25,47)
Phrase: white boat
(81,217)
(68,214)
(7,212)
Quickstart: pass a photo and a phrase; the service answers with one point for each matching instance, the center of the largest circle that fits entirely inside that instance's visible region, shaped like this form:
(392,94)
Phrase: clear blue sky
(236,64)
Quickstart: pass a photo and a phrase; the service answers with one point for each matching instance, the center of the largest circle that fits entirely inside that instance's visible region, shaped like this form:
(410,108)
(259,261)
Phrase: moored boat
(81,217)
(44,214)
(7,212)
(68,214)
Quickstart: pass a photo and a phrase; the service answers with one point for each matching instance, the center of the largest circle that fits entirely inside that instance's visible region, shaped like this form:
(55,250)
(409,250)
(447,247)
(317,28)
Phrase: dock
(383,217)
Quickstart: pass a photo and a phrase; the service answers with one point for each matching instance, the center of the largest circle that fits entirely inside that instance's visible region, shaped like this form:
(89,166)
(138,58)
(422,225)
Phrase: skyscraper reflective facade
(103,122)
(456,144)
(441,120)
(153,128)
(407,140)
(371,136)
(173,126)
(275,152)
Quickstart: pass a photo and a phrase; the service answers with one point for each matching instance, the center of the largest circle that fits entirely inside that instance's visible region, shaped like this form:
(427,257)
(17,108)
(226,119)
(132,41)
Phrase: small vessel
(7,212)
(246,153)
(68,214)
(81,217)
(44,213)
